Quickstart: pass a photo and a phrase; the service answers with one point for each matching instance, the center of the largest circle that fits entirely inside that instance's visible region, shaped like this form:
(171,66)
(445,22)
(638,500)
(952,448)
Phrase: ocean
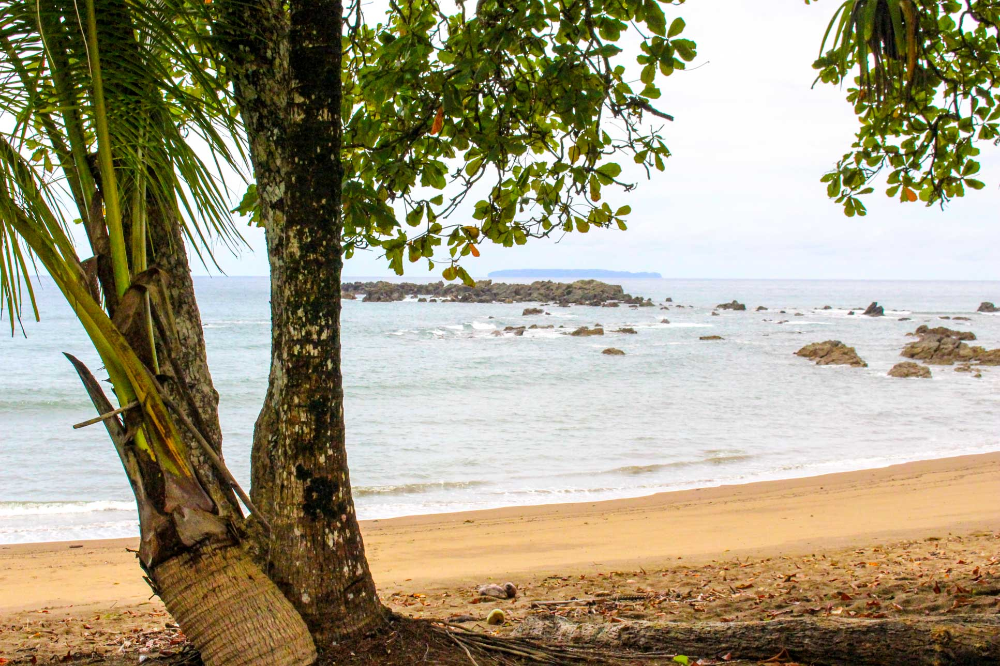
(444,416)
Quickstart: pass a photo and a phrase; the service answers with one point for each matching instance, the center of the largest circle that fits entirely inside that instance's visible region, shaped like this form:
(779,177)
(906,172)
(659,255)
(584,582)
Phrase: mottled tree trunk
(286,66)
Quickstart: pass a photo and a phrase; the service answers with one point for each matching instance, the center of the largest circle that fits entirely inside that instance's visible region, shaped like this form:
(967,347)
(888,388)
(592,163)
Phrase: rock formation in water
(710,337)
(874,310)
(923,329)
(612,351)
(532,311)
(735,305)
(627,329)
(986,306)
(910,369)
(832,352)
(581,292)
(584,331)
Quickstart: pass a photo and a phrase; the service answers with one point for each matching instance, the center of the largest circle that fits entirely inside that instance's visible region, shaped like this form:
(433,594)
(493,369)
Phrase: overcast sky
(741,196)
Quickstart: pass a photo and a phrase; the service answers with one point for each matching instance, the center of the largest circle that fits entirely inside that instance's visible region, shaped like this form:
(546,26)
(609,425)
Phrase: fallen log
(913,641)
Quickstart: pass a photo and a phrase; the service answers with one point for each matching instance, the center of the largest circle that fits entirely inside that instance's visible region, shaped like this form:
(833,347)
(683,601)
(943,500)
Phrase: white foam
(10,509)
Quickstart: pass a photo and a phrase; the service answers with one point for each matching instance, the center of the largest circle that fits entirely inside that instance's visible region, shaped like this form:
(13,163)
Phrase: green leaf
(676,27)
(655,20)
(611,170)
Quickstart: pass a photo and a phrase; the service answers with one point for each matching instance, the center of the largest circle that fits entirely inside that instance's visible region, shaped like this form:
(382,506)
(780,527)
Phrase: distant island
(569,273)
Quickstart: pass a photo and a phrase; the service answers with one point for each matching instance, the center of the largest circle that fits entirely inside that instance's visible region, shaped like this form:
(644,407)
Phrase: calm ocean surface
(443,416)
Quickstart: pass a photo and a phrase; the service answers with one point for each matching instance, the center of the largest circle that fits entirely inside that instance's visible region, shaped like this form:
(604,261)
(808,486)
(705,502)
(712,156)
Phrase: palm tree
(116,114)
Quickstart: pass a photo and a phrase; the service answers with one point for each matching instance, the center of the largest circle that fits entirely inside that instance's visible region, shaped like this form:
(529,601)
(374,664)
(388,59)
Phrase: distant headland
(569,273)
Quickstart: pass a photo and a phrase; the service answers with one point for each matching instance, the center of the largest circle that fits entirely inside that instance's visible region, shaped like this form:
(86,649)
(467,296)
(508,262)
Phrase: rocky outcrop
(610,304)
(581,292)
(612,351)
(584,332)
(735,305)
(987,357)
(940,350)
(832,352)
(986,306)
(664,321)
(910,369)
(627,329)
(923,329)
(874,310)
(537,326)
(826,307)
(761,308)
(711,337)
(532,311)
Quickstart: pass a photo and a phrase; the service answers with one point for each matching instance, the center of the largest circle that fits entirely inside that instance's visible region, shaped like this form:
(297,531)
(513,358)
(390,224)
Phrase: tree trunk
(231,611)
(287,77)
(909,641)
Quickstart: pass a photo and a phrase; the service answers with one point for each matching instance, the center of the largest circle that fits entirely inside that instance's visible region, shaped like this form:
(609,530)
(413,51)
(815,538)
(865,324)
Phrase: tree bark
(231,611)
(909,641)
(286,69)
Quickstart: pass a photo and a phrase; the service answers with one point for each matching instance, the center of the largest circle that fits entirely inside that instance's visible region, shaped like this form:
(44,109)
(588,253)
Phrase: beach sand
(922,535)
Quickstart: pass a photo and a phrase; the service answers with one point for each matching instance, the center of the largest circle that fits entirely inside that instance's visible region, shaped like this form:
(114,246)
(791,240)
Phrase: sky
(741,196)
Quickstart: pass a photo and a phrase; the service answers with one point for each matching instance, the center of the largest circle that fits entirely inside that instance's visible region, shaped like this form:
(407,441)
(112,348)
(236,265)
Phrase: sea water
(442,415)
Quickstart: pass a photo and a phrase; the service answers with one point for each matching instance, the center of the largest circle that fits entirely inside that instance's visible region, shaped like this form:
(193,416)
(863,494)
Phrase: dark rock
(516,330)
(735,305)
(611,351)
(421,300)
(626,329)
(711,337)
(348,296)
(904,319)
(583,292)
(664,321)
(668,300)
(986,306)
(799,314)
(433,300)
(583,331)
(961,319)
(532,311)
(612,304)
(851,313)
(715,314)
(874,310)
(832,352)
(944,317)
(761,308)
(827,307)
(910,369)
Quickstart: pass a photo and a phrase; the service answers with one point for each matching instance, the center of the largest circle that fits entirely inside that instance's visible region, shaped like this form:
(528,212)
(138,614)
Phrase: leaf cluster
(518,109)
(921,76)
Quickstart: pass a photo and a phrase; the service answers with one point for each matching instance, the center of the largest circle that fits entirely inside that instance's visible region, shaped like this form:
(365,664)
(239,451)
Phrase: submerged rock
(612,351)
(627,329)
(874,310)
(910,369)
(711,337)
(832,352)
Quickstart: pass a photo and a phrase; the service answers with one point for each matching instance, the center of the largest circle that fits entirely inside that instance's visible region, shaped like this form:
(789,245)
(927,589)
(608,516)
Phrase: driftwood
(913,641)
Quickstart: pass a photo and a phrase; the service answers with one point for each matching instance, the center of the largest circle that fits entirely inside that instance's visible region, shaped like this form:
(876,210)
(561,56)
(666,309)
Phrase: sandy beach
(421,558)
